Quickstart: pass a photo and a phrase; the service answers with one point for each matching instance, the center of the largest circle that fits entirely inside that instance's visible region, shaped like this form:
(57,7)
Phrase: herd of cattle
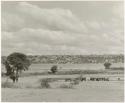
(94,79)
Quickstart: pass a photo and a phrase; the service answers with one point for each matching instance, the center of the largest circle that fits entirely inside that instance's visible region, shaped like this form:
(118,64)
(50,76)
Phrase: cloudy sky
(62,27)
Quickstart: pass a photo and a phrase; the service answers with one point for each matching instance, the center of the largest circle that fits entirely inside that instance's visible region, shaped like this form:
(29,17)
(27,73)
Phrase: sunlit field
(28,89)
(90,66)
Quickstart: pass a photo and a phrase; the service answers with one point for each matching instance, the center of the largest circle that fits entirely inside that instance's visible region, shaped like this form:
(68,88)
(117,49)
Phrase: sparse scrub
(9,85)
(117,68)
(3,74)
(45,83)
(63,72)
(72,83)
(75,82)
(67,86)
(29,86)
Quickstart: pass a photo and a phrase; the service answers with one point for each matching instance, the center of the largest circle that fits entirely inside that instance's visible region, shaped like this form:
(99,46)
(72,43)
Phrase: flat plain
(28,89)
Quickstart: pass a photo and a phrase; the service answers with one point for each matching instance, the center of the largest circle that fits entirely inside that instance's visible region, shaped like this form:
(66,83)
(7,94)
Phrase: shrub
(107,65)
(45,83)
(54,69)
(76,82)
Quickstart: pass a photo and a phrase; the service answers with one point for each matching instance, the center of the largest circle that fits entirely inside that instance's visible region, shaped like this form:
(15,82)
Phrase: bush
(107,65)
(75,82)
(54,69)
(45,83)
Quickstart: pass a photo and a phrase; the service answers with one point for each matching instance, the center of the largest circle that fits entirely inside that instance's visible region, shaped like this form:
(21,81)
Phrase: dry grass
(71,84)
(85,92)
(117,68)
(75,82)
(9,85)
(70,72)
(67,86)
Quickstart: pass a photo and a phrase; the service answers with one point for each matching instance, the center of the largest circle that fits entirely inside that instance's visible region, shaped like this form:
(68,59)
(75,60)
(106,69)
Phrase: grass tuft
(66,86)
(9,85)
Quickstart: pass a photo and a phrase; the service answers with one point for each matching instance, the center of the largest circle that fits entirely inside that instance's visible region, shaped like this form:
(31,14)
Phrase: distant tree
(54,69)
(107,65)
(16,62)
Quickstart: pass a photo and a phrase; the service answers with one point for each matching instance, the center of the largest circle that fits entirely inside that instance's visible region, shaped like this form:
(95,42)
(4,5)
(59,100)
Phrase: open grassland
(84,92)
(29,88)
(71,69)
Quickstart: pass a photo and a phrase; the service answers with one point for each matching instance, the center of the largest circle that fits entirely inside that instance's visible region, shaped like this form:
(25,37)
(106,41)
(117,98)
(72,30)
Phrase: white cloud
(93,24)
(36,30)
(11,22)
(118,10)
(35,17)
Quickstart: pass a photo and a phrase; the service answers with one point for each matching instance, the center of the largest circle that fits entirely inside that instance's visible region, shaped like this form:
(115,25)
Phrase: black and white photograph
(62,51)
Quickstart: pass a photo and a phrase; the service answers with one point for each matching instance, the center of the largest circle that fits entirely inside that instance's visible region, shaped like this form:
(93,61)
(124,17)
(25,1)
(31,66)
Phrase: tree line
(73,59)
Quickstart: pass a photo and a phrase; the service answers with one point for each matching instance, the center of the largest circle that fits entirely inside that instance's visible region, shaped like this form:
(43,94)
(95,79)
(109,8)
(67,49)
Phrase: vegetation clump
(9,85)
(15,63)
(66,86)
(107,65)
(18,60)
(54,69)
(45,83)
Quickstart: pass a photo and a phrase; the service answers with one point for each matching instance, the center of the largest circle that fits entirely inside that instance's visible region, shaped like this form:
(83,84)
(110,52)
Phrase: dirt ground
(86,91)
